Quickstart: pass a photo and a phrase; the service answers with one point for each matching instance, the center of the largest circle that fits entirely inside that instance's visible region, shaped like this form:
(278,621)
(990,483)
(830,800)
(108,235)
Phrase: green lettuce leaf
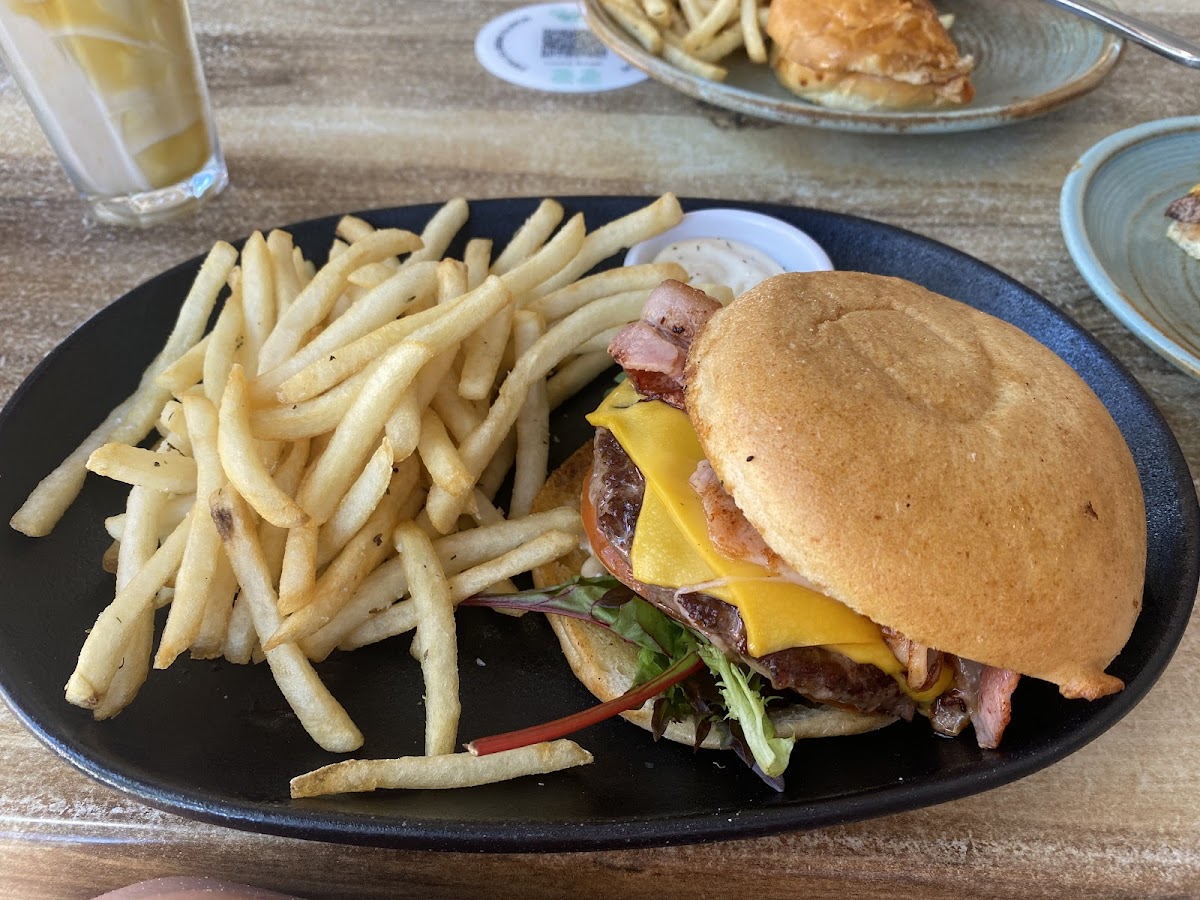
(746,704)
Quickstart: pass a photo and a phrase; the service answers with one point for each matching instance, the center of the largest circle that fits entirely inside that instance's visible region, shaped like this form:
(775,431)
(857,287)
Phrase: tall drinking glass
(117,87)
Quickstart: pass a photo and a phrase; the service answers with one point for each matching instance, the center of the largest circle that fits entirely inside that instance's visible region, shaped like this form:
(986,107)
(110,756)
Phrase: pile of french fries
(695,35)
(318,472)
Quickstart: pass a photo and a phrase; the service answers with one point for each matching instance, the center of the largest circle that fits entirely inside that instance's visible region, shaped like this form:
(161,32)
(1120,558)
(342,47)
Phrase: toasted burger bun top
(606,663)
(933,468)
(867,54)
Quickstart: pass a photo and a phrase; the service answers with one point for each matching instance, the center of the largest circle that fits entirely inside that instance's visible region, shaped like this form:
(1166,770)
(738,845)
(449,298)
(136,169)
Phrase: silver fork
(1161,41)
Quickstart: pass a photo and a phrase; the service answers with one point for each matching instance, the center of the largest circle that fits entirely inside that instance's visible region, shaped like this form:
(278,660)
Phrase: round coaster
(548,47)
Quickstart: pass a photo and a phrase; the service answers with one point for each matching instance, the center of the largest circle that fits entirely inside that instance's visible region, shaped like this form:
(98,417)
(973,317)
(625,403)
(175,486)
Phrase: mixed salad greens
(687,676)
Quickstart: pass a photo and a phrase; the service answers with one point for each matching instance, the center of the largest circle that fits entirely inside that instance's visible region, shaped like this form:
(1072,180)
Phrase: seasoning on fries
(326,458)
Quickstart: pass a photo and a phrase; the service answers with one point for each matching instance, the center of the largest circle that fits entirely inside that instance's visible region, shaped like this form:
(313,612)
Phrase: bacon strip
(652,352)
(728,528)
(991,716)
(982,695)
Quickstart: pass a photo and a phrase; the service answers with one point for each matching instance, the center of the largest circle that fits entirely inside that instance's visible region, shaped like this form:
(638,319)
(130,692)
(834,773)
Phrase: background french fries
(318,451)
(694,35)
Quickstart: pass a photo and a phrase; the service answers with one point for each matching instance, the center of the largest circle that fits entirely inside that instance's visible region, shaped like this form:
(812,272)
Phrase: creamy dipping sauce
(721,261)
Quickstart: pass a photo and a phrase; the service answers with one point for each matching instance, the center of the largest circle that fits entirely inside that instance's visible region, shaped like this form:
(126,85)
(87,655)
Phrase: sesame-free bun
(867,54)
(930,466)
(606,663)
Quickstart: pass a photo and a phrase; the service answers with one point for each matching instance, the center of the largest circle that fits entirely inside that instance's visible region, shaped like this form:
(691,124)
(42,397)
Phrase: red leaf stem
(549,731)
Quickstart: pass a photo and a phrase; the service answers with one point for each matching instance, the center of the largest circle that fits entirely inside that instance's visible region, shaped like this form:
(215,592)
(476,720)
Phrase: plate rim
(799,112)
(493,835)
(1077,236)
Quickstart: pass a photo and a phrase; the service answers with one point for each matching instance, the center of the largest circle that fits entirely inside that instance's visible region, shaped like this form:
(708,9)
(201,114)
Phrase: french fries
(185,371)
(533,423)
(199,564)
(106,642)
(139,540)
(619,234)
(630,16)
(322,716)
(444,507)
(439,654)
(365,551)
(328,458)
(159,471)
(404,616)
(325,486)
(530,236)
(258,298)
(286,278)
(132,420)
(362,498)
(385,303)
(453,770)
(218,610)
(242,463)
(440,456)
(298,571)
(694,35)
(317,298)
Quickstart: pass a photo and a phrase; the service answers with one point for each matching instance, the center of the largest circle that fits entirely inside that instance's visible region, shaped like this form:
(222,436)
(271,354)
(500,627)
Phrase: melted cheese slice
(671,547)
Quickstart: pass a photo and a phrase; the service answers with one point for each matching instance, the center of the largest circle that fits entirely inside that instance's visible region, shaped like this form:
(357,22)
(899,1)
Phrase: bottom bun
(606,663)
(863,92)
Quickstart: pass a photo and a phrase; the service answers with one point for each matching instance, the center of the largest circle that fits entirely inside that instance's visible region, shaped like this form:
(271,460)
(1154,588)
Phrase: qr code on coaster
(570,43)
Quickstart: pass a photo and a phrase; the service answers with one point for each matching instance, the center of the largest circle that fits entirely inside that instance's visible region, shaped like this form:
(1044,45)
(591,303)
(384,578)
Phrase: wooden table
(328,107)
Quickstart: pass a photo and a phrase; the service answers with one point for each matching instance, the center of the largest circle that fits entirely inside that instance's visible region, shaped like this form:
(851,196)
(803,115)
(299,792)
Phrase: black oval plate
(217,742)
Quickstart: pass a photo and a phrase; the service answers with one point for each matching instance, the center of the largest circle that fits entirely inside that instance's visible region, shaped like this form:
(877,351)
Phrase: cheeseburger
(856,501)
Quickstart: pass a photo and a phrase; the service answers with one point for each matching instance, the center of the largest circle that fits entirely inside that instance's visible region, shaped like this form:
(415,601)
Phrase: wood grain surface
(326,108)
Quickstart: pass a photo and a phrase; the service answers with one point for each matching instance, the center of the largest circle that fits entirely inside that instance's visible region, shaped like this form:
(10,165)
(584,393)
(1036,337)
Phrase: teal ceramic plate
(1030,58)
(1112,219)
